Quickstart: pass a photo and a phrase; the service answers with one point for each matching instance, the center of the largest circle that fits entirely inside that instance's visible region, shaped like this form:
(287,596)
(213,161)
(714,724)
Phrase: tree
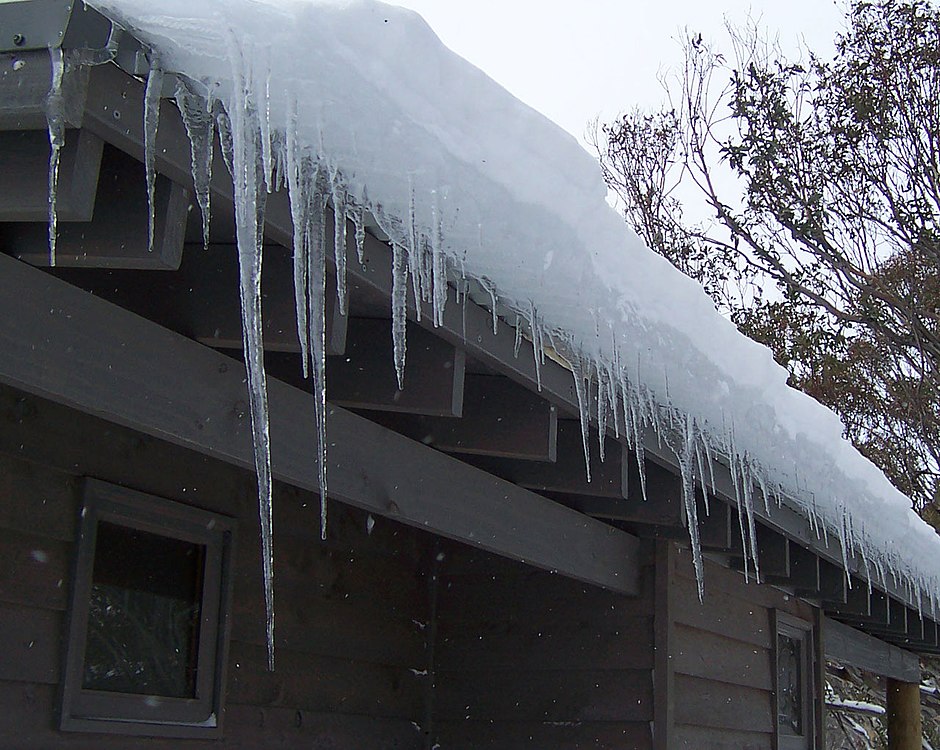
(821,182)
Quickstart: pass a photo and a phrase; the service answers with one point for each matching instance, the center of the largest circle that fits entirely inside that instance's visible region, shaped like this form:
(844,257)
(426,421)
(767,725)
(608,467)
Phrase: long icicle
(338,196)
(55,120)
(399,308)
(196,111)
(316,318)
(152,95)
(577,370)
(249,207)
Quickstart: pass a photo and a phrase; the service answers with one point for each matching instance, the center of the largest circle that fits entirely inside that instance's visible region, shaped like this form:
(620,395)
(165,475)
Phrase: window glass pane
(143,618)
(790,685)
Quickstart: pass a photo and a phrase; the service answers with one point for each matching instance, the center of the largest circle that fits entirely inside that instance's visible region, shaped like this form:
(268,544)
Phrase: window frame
(803,631)
(83,709)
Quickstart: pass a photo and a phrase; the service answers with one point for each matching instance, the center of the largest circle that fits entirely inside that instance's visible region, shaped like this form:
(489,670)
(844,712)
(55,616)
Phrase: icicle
(742,523)
(224,125)
(267,159)
(316,319)
(601,411)
(612,391)
(701,475)
(151,122)
(748,491)
(490,289)
(249,218)
(438,265)
(710,459)
(359,224)
(684,457)
(635,427)
(298,192)
(196,112)
(517,343)
(579,387)
(536,344)
(414,249)
(55,120)
(399,307)
(338,195)
(763,490)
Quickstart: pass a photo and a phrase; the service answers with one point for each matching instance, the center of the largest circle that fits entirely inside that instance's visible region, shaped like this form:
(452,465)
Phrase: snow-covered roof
(359,102)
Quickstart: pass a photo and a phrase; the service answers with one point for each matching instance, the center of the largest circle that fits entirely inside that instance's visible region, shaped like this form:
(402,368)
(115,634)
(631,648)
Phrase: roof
(359,104)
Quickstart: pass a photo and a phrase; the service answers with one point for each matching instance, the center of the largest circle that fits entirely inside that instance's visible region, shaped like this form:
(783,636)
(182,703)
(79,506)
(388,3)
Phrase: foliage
(821,181)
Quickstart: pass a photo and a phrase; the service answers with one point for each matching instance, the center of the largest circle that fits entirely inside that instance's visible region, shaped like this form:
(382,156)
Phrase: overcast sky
(579,59)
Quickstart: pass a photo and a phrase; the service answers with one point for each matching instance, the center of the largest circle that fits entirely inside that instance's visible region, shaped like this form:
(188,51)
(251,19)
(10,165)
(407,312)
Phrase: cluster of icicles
(262,157)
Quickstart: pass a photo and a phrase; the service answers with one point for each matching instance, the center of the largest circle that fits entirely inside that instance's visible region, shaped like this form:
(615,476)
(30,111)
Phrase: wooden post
(903,710)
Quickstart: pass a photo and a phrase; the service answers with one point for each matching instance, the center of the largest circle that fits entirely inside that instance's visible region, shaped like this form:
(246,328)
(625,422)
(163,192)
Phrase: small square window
(147,626)
(794,683)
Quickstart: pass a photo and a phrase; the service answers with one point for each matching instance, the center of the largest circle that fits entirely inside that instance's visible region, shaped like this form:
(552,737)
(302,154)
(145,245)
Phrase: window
(147,626)
(794,683)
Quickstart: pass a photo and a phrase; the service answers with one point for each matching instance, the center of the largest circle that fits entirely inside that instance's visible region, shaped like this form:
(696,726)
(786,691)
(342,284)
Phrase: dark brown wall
(722,658)
(351,612)
(527,659)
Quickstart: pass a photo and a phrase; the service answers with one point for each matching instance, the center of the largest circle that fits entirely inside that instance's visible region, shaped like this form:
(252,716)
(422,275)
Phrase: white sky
(573,61)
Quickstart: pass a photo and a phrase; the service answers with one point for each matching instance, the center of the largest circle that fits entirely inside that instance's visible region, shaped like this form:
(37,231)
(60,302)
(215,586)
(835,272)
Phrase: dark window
(790,696)
(794,683)
(147,625)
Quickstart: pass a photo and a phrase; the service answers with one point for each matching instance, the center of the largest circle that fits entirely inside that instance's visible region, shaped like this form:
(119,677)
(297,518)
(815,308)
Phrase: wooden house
(473,590)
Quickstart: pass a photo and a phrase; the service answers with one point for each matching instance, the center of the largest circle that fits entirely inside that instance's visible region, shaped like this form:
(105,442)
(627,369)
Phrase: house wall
(527,659)
(351,613)
(721,656)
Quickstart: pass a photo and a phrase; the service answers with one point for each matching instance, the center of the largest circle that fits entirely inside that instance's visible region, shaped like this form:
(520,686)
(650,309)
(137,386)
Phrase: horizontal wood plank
(857,649)
(698,653)
(37,499)
(704,738)
(32,644)
(29,721)
(197,399)
(545,696)
(533,735)
(328,684)
(34,570)
(571,642)
(704,703)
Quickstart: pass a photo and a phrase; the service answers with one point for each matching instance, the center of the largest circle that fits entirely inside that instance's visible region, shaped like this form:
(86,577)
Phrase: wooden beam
(832,584)
(114,238)
(857,602)
(24,88)
(24,175)
(214,309)
(804,570)
(567,474)
(663,506)
(773,554)
(717,528)
(882,619)
(65,345)
(850,646)
(364,377)
(905,730)
(500,418)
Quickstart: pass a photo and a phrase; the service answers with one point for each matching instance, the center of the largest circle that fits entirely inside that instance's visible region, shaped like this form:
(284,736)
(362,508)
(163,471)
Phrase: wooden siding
(351,611)
(722,657)
(527,659)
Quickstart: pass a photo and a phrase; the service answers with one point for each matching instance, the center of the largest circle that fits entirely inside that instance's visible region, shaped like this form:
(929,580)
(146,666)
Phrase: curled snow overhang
(356,108)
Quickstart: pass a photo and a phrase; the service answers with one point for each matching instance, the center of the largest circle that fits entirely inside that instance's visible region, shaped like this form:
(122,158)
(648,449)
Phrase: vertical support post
(903,713)
(663,674)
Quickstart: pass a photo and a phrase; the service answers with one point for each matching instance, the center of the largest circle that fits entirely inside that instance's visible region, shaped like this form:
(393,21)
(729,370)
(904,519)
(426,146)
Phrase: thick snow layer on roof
(359,101)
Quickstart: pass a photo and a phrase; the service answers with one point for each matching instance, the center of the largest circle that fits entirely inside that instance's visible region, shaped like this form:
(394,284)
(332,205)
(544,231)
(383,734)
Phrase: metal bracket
(94,38)
(33,24)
